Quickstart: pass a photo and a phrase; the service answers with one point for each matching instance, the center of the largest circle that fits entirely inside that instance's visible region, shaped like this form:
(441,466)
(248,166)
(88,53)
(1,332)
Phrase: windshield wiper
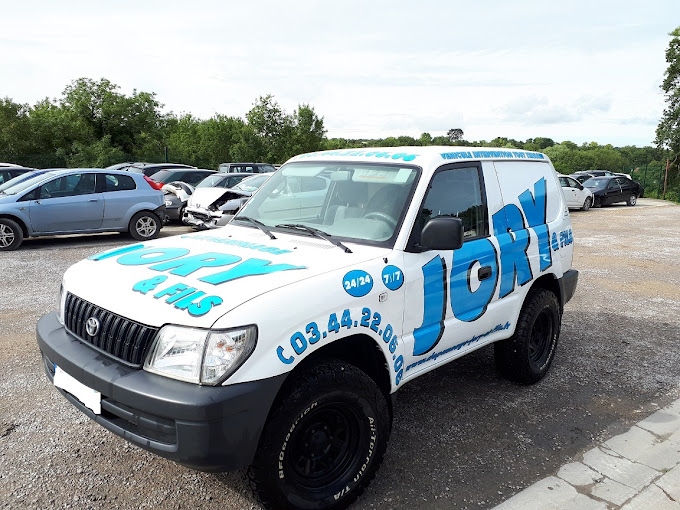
(315,232)
(258,224)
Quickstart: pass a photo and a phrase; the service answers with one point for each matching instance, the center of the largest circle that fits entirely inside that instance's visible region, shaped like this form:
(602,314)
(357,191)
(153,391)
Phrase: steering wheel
(44,193)
(377,215)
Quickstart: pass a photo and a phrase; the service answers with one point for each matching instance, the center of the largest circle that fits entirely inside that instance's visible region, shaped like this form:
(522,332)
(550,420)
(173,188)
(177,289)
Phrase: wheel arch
(359,350)
(18,221)
(551,283)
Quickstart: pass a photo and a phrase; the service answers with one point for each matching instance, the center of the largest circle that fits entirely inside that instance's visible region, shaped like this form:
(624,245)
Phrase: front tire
(632,199)
(323,441)
(526,356)
(587,203)
(11,235)
(144,225)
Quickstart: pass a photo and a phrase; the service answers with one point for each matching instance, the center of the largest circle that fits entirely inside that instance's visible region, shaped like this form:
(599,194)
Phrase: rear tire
(587,203)
(11,235)
(144,225)
(323,441)
(632,199)
(526,356)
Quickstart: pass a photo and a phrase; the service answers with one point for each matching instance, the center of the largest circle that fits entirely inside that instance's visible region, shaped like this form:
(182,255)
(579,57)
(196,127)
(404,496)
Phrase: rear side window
(118,183)
(457,192)
(519,177)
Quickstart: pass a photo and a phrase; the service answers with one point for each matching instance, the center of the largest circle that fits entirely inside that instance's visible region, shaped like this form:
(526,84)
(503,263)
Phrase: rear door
(68,203)
(570,191)
(120,196)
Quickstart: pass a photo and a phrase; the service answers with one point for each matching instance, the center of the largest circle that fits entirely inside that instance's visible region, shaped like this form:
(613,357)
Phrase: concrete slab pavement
(636,470)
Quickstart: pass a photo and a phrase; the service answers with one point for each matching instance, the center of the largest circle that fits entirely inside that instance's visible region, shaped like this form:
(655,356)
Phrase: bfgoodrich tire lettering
(323,442)
(527,355)
(11,235)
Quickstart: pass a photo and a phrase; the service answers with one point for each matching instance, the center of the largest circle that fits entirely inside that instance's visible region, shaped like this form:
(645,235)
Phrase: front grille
(201,216)
(122,338)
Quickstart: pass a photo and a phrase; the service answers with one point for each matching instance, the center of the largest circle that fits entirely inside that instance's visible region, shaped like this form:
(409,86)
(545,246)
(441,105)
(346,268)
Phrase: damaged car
(211,205)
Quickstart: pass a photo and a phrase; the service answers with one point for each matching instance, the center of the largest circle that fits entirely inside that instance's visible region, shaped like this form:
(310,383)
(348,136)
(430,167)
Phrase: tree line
(94,124)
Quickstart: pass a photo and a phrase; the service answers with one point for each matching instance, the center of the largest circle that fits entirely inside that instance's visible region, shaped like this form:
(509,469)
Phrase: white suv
(279,341)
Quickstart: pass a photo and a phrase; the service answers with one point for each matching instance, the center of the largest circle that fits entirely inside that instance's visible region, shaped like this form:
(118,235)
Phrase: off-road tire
(144,225)
(11,235)
(632,199)
(526,356)
(323,441)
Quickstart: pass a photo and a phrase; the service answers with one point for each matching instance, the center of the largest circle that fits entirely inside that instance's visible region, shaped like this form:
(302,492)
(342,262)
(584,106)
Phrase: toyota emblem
(92,326)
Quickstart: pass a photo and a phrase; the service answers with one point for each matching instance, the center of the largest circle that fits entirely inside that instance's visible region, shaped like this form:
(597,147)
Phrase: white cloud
(580,71)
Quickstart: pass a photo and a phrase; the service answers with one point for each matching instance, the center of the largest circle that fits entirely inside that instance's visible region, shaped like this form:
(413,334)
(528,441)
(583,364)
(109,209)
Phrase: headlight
(60,309)
(198,355)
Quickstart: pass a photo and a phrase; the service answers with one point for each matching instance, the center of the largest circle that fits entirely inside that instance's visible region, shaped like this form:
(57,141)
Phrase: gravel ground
(463,437)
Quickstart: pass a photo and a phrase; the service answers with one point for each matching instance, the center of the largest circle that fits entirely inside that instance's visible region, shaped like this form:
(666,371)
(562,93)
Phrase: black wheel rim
(541,338)
(327,446)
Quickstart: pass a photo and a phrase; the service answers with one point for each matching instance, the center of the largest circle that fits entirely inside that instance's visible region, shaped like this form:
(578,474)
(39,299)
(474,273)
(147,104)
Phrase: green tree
(15,130)
(668,131)
(95,110)
(308,131)
(273,126)
(454,134)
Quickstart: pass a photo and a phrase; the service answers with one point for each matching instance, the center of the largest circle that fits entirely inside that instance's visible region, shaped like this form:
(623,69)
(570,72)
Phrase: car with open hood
(217,198)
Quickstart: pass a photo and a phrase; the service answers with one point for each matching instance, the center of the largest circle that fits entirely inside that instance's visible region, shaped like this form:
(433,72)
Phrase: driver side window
(457,192)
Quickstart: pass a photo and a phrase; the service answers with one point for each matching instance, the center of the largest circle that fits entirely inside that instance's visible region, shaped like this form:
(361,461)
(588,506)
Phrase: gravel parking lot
(463,437)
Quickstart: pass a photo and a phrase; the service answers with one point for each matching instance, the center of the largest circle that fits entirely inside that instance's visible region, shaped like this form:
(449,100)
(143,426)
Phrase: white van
(279,341)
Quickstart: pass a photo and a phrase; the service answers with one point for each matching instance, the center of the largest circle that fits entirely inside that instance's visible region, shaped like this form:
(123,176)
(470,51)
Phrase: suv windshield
(360,202)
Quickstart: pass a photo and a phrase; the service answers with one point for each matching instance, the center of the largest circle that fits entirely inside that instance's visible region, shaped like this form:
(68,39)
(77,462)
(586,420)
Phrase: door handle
(93,200)
(484,273)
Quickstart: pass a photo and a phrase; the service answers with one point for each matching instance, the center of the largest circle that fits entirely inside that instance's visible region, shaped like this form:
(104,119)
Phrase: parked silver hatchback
(79,201)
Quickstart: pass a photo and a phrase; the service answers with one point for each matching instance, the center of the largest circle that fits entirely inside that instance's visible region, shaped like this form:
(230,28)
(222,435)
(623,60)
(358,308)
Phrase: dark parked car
(189,175)
(148,169)
(78,201)
(613,189)
(10,172)
(250,168)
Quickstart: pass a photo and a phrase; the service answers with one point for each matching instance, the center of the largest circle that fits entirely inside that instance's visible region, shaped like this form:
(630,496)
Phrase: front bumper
(201,218)
(209,428)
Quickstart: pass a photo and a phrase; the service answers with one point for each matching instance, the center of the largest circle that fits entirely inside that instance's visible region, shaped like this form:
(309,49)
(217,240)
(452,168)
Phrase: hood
(181,189)
(196,278)
(203,197)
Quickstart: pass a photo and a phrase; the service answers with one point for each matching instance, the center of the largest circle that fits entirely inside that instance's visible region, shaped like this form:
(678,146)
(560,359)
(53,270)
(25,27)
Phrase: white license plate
(90,398)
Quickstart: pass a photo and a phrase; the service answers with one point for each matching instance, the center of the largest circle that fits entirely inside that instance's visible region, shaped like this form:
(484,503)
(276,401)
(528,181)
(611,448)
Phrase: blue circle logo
(357,283)
(392,277)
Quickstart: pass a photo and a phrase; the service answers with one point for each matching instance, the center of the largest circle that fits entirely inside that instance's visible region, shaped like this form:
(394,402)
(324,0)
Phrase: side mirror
(443,233)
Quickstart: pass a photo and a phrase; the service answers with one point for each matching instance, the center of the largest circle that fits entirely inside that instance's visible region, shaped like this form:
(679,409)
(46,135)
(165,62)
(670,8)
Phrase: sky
(580,70)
